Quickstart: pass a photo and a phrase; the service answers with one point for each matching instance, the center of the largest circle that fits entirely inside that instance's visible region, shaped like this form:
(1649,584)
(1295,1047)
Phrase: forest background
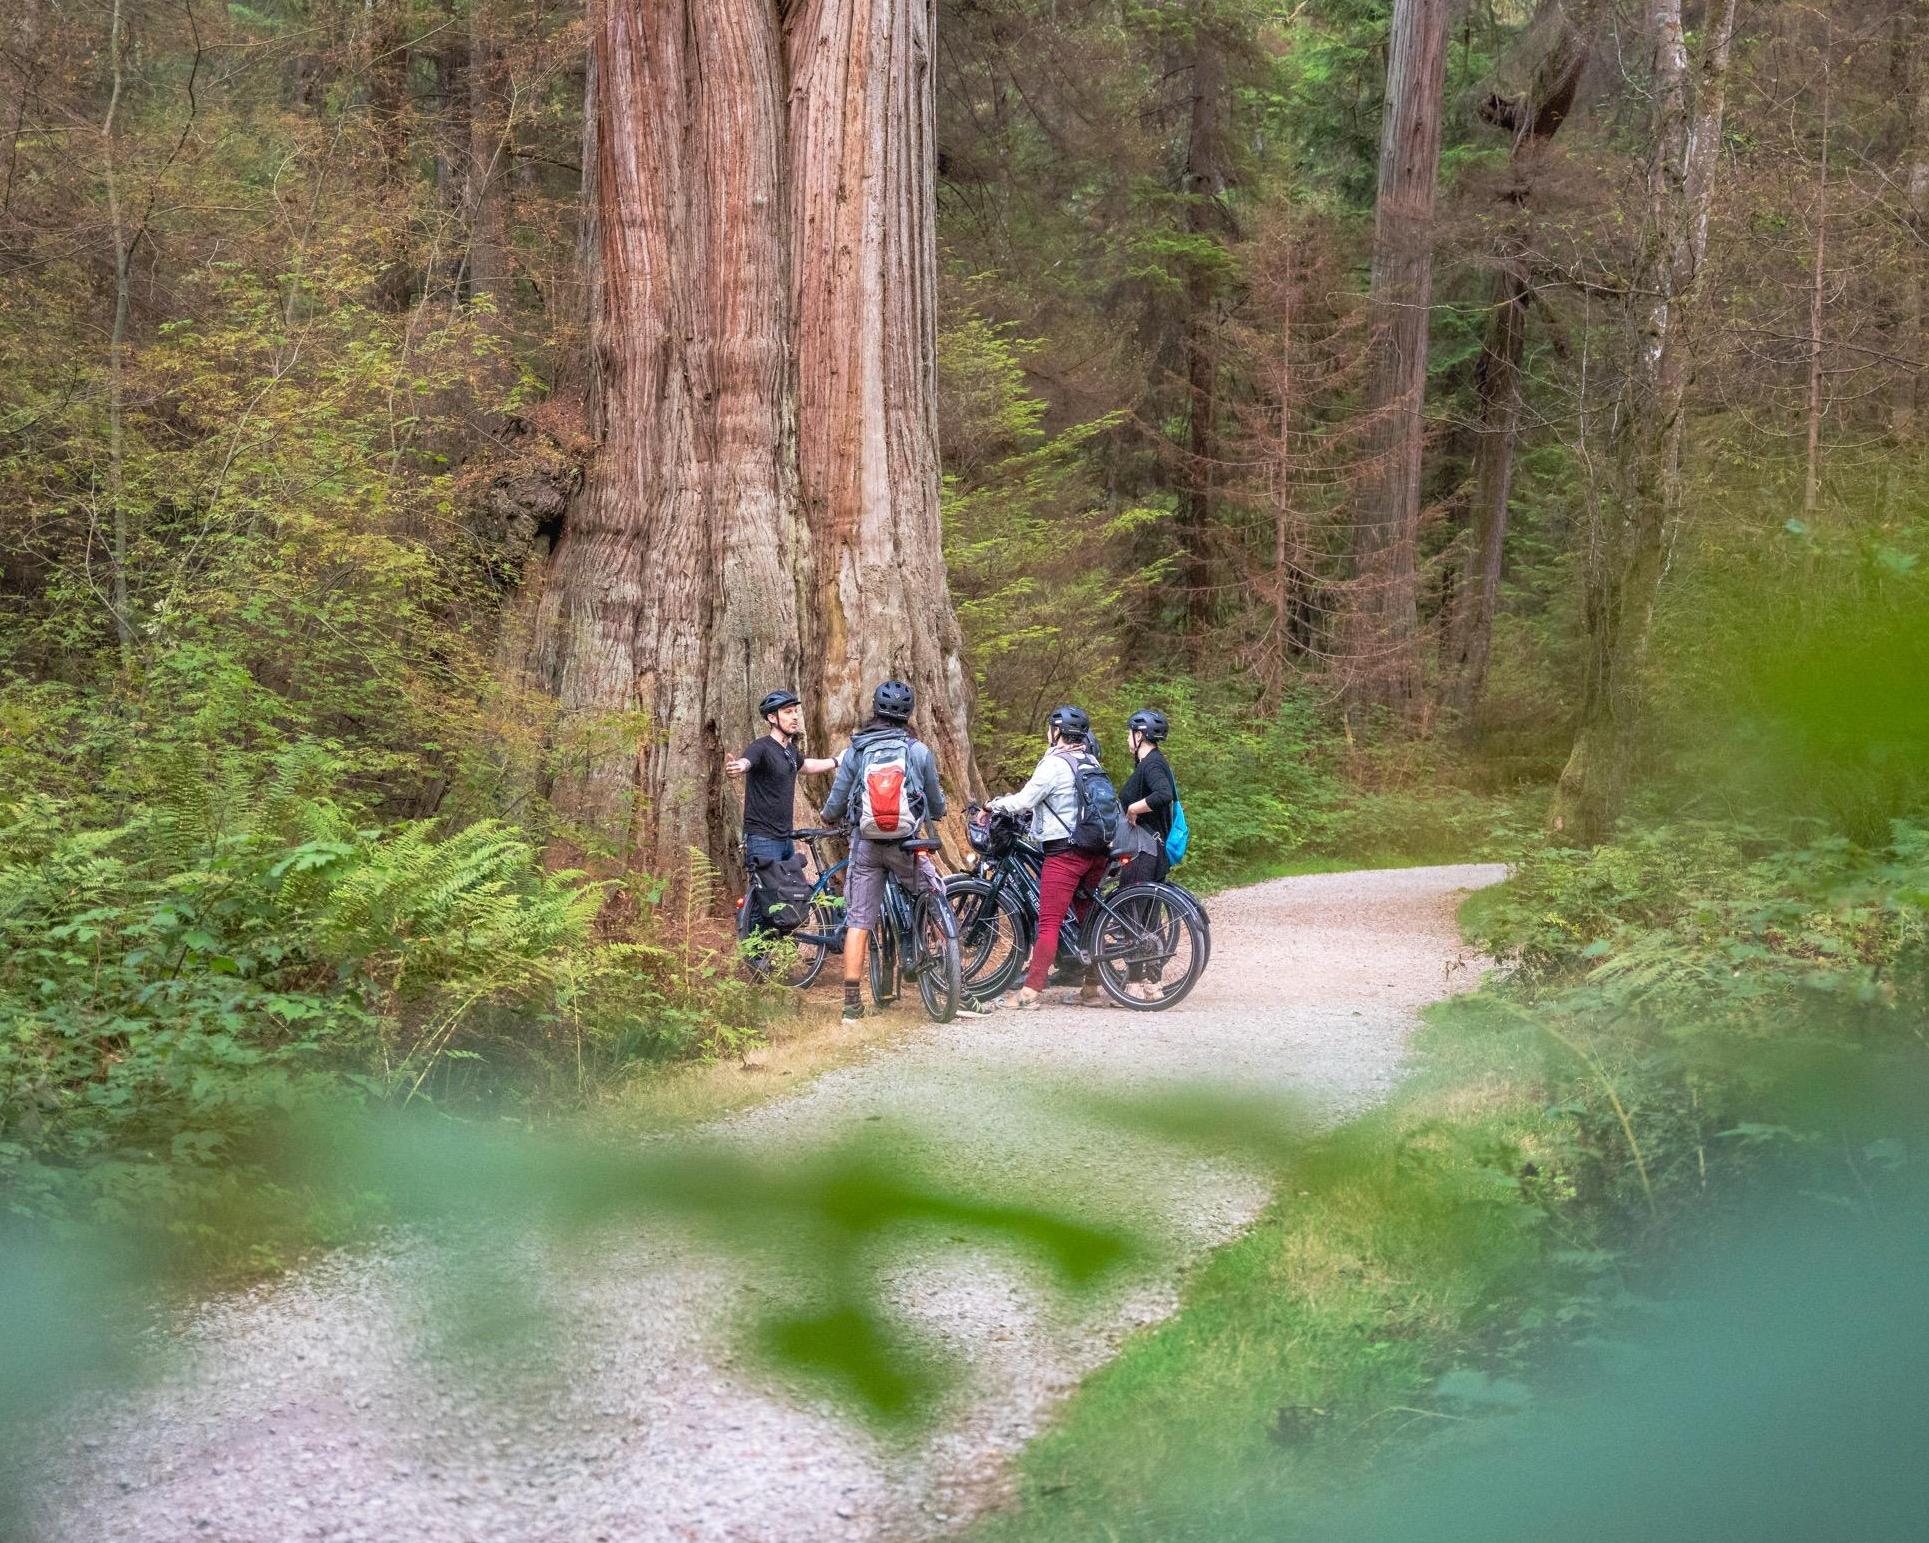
(1485,430)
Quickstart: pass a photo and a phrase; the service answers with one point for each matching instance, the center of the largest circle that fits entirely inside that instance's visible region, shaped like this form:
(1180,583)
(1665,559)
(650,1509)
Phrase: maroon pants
(1065,874)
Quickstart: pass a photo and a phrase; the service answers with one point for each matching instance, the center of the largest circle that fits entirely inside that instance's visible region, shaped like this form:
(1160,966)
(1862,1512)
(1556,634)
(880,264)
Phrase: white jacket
(1051,798)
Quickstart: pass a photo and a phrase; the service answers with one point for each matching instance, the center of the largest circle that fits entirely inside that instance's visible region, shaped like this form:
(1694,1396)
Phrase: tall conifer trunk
(488,146)
(389,111)
(1563,33)
(762,509)
(1381,662)
(673,593)
(1630,553)
(863,160)
(1205,181)
(1910,404)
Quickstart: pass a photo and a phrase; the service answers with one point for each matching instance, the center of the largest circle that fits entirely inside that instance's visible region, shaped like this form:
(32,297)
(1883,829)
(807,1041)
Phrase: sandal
(1026,1001)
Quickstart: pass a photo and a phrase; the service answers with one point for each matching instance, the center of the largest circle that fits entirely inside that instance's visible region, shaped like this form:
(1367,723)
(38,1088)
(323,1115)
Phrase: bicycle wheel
(796,960)
(991,934)
(1148,946)
(1198,908)
(935,951)
(882,963)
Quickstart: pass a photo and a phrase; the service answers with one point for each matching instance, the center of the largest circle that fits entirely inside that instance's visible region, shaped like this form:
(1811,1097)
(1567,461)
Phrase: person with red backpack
(886,787)
(1075,816)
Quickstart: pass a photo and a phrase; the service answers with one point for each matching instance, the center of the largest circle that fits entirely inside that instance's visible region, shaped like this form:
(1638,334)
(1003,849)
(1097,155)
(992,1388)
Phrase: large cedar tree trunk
(1630,554)
(863,162)
(1381,661)
(762,509)
(1562,33)
(674,592)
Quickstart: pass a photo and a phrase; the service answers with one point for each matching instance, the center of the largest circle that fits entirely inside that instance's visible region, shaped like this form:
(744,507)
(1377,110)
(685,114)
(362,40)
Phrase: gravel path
(308,1410)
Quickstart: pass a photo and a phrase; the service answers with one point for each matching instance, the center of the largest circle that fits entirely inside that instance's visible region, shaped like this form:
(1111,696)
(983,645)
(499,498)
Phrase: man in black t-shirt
(769,767)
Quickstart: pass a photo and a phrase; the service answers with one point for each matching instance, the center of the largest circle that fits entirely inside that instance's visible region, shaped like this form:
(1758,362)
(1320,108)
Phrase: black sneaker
(853,1011)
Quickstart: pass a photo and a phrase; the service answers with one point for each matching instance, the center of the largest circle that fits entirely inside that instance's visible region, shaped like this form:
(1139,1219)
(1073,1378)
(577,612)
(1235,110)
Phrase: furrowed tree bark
(863,164)
(1630,553)
(1564,32)
(673,593)
(1380,661)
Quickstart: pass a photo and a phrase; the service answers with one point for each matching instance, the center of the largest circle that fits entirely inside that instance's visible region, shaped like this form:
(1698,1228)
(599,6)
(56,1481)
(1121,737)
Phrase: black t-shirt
(770,787)
(1151,780)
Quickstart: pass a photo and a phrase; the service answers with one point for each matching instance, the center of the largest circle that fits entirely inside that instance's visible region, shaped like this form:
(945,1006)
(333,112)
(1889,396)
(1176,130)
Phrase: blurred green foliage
(79,1299)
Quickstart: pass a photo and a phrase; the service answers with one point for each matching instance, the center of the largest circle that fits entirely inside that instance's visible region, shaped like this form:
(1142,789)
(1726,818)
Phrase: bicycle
(796,958)
(916,938)
(1155,932)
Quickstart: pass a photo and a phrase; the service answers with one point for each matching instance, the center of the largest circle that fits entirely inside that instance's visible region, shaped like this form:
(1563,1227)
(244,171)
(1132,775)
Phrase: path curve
(302,1411)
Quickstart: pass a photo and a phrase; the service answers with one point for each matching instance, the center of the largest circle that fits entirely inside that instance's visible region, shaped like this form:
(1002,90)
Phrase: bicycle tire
(1199,910)
(881,967)
(1197,906)
(984,968)
(806,959)
(934,946)
(1146,924)
(824,912)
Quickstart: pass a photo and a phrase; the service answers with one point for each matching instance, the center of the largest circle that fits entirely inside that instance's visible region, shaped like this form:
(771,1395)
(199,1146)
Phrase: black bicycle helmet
(1150,723)
(894,700)
(1071,722)
(777,701)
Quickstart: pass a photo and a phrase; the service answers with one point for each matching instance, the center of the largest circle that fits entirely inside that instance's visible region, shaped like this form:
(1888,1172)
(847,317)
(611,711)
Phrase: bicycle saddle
(922,845)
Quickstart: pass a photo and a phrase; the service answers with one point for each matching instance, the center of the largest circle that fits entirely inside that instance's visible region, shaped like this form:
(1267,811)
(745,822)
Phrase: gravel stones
(313,1409)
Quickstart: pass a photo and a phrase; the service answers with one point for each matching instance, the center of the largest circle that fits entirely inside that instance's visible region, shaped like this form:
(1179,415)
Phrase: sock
(851,998)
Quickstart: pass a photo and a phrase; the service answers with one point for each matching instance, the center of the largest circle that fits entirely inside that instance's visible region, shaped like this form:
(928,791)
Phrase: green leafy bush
(209,928)
(1690,980)
(1257,786)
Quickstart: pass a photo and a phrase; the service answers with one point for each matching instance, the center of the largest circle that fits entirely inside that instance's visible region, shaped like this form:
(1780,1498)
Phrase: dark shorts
(864,879)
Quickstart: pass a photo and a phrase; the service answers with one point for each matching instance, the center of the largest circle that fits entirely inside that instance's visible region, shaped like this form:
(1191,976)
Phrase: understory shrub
(1691,983)
(211,929)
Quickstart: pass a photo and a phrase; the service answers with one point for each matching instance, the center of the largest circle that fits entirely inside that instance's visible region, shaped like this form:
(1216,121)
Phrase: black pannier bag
(783,895)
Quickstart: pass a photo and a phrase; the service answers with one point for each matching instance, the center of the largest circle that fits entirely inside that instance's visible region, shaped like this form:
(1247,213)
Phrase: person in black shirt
(1148,796)
(1149,793)
(769,766)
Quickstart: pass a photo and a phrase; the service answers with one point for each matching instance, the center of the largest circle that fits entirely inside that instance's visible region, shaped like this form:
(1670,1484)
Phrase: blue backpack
(1177,838)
